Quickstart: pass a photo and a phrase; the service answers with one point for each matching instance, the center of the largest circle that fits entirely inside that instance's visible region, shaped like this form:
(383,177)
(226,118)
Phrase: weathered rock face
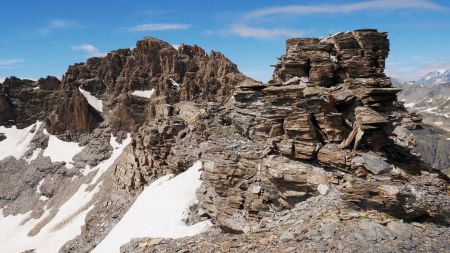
(326,135)
(96,101)
(329,104)
(23,102)
(272,146)
(183,74)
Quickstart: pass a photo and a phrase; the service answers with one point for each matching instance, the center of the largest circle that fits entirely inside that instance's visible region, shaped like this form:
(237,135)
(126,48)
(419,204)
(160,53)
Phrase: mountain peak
(158,142)
(436,77)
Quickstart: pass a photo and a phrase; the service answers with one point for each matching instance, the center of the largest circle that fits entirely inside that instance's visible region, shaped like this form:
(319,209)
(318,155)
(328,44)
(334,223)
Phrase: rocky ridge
(322,151)
(436,77)
(329,119)
(432,102)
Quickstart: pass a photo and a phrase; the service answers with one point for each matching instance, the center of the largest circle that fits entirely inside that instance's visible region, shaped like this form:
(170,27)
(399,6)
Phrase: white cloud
(55,25)
(89,50)
(242,25)
(158,27)
(262,33)
(344,8)
(396,70)
(2,79)
(9,63)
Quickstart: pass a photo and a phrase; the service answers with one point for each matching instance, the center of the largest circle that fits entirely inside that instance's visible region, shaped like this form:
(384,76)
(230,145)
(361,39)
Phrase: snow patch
(409,105)
(38,188)
(175,84)
(430,110)
(17,141)
(93,101)
(118,148)
(159,211)
(34,155)
(143,93)
(43,198)
(441,71)
(38,191)
(67,222)
(61,151)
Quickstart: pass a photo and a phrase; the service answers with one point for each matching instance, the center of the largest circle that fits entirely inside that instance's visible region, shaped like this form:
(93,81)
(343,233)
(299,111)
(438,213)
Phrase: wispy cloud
(10,63)
(410,74)
(242,25)
(262,33)
(157,27)
(56,25)
(344,8)
(89,50)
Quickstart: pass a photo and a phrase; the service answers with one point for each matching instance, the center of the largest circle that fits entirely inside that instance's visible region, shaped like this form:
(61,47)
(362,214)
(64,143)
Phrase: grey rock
(287,236)
(402,229)
(372,163)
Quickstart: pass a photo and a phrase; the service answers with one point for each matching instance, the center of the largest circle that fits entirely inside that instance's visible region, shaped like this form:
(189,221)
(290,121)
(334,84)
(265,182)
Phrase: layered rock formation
(173,75)
(329,121)
(329,105)
(326,133)
(98,100)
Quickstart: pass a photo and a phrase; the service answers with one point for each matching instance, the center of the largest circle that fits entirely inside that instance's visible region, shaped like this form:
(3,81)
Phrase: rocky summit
(319,159)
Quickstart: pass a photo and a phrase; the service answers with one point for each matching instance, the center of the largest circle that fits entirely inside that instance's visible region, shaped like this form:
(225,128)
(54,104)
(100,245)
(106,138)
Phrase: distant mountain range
(432,78)
(436,77)
(430,97)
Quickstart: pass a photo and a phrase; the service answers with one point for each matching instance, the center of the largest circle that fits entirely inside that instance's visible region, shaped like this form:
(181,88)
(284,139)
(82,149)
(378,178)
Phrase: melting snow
(67,222)
(38,190)
(143,93)
(34,155)
(93,101)
(408,105)
(159,211)
(431,109)
(61,151)
(17,140)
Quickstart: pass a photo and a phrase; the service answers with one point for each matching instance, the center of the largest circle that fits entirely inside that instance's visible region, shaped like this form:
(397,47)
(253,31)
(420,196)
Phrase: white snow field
(93,101)
(17,141)
(143,93)
(158,211)
(67,222)
(61,151)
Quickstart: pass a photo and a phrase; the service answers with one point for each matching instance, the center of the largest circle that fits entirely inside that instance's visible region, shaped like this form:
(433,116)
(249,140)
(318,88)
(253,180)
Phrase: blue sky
(40,38)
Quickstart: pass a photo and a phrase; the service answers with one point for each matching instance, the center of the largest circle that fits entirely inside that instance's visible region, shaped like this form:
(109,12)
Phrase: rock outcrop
(23,102)
(172,75)
(325,137)
(329,115)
